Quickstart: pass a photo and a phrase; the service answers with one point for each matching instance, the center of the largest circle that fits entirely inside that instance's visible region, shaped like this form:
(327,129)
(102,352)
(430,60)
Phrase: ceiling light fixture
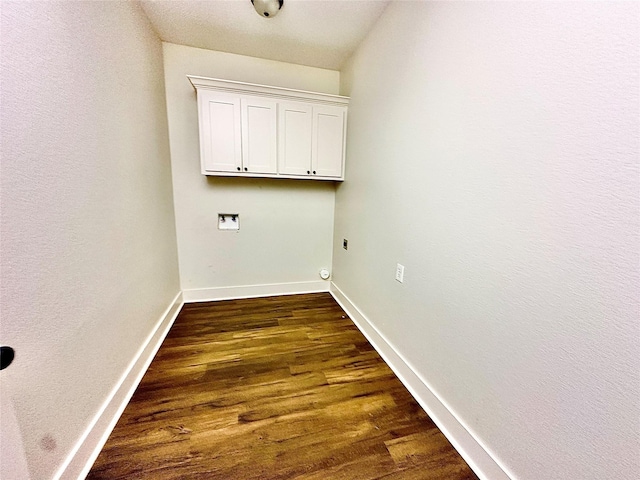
(267,8)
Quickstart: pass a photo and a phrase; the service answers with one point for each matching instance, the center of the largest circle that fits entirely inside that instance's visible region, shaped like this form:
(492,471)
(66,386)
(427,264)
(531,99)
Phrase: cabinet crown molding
(268,91)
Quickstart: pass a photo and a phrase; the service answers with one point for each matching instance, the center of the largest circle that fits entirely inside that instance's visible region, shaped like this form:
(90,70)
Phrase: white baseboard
(85,452)
(469,447)
(253,291)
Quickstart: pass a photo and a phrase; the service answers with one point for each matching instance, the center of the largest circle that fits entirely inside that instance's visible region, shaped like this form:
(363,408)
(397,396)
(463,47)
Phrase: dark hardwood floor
(273,388)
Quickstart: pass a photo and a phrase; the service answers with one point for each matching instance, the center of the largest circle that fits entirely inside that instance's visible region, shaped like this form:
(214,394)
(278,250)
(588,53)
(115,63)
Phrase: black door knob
(238,168)
(245,169)
(7,354)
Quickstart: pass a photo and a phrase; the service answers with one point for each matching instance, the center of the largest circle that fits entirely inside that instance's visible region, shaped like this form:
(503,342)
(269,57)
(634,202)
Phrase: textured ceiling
(319,33)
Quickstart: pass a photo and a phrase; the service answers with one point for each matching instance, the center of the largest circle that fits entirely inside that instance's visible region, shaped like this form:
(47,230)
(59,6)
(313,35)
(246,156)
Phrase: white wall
(493,150)
(286,226)
(89,260)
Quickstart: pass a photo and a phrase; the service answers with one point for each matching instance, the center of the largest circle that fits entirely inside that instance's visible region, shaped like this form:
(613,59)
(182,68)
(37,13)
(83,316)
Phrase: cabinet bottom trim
(212,173)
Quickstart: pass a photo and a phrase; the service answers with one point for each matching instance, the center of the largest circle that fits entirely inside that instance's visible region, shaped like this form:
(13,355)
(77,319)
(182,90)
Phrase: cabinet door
(294,138)
(259,141)
(220,137)
(328,141)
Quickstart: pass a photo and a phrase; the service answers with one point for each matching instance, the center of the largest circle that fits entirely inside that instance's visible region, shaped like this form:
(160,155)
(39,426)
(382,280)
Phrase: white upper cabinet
(260,131)
(327,144)
(220,147)
(259,142)
(295,122)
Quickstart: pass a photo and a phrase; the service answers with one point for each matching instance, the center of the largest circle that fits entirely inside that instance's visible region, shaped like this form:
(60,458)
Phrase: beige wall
(286,226)
(89,260)
(493,150)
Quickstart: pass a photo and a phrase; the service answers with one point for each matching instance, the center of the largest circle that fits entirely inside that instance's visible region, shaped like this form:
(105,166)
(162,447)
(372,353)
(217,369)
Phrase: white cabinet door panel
(259,141)
(294,138)
(328,141)
(220,132)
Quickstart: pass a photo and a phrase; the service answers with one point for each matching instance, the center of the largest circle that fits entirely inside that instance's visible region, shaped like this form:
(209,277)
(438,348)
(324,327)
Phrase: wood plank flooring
(273,388)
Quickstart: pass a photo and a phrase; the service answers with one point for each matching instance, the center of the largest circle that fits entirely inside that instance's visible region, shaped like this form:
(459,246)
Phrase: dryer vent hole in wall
(228,221)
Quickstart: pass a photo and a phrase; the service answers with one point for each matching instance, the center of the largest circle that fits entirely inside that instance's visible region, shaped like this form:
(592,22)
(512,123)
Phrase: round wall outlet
(324,274)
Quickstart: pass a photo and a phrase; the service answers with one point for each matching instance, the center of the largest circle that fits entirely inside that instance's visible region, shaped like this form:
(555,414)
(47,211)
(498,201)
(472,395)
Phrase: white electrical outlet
(399,272)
